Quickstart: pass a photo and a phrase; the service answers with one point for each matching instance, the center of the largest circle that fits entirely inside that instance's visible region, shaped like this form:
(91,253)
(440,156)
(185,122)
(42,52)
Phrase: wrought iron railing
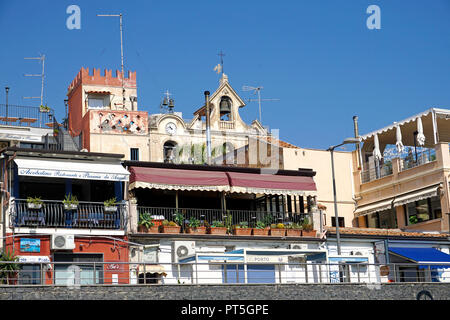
(86,215)
(237,216)
(415,160)
(23,116)
(374,173)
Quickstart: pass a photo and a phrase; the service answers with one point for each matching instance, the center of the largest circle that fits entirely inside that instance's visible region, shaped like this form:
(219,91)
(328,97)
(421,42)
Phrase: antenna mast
(121,52)
(42,75)
(257,90)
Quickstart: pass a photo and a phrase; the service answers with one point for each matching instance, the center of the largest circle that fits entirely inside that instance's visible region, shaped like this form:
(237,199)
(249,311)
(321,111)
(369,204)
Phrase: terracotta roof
(281,143)
(385,232)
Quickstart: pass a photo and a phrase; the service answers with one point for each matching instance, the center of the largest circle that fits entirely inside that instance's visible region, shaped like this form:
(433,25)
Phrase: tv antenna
(41,58)
(121,51)
(167,104)
(257,90)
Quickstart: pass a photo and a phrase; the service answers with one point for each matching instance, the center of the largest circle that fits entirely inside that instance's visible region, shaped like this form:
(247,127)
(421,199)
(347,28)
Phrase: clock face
(171,128)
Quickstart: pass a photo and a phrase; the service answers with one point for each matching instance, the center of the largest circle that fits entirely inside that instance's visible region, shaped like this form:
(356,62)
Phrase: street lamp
(331,149)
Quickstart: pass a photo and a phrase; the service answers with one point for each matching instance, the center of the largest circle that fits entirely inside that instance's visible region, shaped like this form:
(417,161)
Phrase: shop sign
(36,259)
(71,174)
(266,259)
(30,245)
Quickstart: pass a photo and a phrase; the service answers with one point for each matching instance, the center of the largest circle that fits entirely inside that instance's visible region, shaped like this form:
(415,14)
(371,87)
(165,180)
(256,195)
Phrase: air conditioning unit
(298,246)
(63,242)
(183,249)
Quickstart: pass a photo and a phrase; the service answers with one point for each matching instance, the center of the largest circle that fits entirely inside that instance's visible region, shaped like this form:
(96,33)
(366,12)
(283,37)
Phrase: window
(341,222)
(372,220)
(423,210)
(134,154)
(385,219)
(96,103)
(169,151)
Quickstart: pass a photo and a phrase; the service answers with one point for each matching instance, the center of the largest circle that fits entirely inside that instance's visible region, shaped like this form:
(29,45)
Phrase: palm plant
(8,268)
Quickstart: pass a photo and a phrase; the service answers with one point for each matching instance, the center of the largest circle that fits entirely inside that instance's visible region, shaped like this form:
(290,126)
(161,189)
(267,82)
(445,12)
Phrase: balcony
(53,214)
(237,216)
(224,125)
(23,116)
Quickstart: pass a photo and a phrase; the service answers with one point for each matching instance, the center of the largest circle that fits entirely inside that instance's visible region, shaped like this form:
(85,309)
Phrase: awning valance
(373,207)
(152,268)
(71,169)
(416,196)
(271,184)
(425,256)
(178,179)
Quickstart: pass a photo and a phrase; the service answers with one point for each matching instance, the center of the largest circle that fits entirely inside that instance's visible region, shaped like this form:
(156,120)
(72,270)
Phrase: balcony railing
(374,173)
(54,214)
(210,215)
(23,116)
(226,124)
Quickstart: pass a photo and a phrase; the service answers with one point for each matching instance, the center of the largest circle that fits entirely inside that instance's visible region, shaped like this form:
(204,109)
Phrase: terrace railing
(210,215)
(23,116)
(54,214)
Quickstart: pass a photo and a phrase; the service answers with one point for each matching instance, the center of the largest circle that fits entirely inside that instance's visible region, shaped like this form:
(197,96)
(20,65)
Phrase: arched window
(225,109)
(169,151)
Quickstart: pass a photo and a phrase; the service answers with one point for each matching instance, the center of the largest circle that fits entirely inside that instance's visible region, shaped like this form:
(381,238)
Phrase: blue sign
(30,245)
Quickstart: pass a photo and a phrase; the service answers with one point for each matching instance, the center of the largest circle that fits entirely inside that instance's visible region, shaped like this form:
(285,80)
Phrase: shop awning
(71,169)
(152,268)
(373,207)
(178,179)
(416,196)
(271,184)
(429,257)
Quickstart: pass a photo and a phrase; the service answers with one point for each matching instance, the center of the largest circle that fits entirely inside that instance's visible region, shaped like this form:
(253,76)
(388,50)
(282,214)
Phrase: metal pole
(121,58)
(336,217)
(259,103)
(42,80)
(7,90)
(208,129)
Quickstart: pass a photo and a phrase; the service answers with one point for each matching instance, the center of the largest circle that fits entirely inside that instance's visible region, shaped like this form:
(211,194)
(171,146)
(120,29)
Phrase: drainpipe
(208,129)
(358,147)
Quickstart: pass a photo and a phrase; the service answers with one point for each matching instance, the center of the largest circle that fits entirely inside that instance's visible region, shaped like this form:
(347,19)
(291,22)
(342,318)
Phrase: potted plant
(110,205)
(307,229)
(242,229)
(217,227)
(169,227)
(43,108)
(195,226)
(260,229)
(293,230)
(277,230)
(70,202)
(8,270)
(146,224)
(55,132)
(34,203)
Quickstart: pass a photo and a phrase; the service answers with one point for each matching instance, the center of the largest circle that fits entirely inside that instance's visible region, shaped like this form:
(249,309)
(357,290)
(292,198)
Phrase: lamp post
(331,149)
(6,109)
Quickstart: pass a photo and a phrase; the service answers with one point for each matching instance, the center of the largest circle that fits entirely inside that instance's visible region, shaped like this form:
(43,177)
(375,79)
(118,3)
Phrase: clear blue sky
(318,57)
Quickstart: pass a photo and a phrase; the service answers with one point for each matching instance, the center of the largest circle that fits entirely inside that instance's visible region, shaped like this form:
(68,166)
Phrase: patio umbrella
(376,150)
(420,135)
(399,143)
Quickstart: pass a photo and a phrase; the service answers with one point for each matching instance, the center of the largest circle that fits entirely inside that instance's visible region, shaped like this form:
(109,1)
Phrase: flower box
(34,205)
(242,231)
(310,233)
(278,232)
(144,229)
(110,208)
(198,230)
(217,230)
(169,229)
(69,206)
(293,232)
(261,232)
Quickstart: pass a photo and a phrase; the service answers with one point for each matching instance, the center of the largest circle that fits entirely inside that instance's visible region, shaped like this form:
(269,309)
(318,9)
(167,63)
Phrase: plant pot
(110,209)
(169,229)
(70,206)
(144,229)
(261,232)
(198,230)
(34,205)
(242,231)
(293,232)
(217,230)
(277,232)
(311,233)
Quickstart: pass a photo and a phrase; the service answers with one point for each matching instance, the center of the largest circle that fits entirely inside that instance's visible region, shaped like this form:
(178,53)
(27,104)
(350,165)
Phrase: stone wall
(391,291)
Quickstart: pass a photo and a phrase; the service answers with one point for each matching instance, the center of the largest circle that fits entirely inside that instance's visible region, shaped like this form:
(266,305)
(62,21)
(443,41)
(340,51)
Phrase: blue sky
(318,57)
